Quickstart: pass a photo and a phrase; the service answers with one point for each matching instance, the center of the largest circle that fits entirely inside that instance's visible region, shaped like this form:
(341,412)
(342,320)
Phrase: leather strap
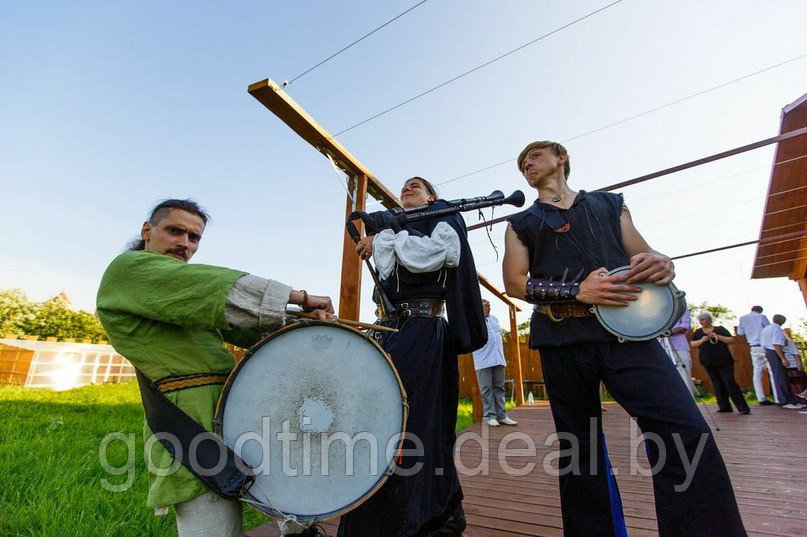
(420,307)
(166,420)
(563,310)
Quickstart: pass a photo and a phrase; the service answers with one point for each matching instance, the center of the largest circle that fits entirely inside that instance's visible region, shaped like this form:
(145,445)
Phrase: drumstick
(347,322)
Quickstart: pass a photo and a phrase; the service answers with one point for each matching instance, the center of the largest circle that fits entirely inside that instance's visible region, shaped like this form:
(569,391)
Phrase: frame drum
(318,411)
(653,314)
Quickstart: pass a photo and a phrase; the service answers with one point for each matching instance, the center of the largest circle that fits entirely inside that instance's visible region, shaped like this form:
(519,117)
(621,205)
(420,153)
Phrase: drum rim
(674,292)
(218,415)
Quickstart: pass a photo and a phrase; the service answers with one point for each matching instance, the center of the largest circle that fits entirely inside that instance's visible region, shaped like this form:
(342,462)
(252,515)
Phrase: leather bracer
(541,291)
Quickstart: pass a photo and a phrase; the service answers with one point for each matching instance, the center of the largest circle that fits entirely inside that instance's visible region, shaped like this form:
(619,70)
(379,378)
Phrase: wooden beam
(280,104)
(497,292)
(350,289)
(515,351)
(269,94)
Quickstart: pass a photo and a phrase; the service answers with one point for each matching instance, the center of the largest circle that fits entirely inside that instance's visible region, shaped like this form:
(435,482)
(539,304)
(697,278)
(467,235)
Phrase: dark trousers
(726,387)
(779,381)
(644,381)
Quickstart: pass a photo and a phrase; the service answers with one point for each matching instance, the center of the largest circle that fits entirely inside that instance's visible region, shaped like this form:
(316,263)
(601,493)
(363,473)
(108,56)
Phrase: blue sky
(107,107)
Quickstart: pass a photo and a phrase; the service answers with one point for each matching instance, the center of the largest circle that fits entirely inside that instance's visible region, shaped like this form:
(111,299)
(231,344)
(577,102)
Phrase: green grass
(465,413)
(50,471)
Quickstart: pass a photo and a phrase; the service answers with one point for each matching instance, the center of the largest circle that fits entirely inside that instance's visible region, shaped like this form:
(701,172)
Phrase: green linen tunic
(167,318)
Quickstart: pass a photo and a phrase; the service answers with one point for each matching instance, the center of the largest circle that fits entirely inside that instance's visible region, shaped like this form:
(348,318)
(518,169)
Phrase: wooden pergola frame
(360,183)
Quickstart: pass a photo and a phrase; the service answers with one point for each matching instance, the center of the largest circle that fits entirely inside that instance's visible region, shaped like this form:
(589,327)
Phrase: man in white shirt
(750,326)
(489,364)
(772,338)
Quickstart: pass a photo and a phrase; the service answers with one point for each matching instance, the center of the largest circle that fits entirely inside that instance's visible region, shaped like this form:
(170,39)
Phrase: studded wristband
(541,291)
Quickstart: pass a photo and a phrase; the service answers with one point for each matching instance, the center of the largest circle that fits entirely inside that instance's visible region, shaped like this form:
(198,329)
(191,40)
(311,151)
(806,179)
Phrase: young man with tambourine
(558,255)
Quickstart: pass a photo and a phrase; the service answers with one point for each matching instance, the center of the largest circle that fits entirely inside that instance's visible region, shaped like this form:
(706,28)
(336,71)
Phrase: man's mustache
(178,250)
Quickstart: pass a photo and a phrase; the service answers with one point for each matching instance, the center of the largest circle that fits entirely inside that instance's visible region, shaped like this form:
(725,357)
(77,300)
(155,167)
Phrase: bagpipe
(397,217)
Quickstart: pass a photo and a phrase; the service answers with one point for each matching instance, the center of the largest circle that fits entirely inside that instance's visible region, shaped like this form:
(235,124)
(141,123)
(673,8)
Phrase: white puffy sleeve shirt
(417,254)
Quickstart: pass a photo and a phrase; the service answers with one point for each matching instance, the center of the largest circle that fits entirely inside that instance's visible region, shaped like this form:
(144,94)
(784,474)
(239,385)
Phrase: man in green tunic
(169,319)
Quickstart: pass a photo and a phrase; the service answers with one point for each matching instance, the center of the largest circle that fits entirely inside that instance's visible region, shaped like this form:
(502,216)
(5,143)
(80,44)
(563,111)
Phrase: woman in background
(712,343)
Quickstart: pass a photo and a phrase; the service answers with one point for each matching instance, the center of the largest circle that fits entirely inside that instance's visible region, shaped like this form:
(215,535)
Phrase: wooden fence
(531,368)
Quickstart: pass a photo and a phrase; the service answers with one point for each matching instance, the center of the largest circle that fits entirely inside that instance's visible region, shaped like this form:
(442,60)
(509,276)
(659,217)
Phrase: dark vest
(593,240)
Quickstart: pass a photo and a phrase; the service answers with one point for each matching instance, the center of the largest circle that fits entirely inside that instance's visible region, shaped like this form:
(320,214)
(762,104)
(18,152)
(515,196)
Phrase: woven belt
(421,307)
(182,382)
(563,310)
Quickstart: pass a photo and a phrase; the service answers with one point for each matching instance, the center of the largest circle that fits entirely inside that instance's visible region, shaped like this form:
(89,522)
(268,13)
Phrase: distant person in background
(750,326)
(795,371)
(773,339)
(792,354)
(679,349)
(489,363)
(712,343)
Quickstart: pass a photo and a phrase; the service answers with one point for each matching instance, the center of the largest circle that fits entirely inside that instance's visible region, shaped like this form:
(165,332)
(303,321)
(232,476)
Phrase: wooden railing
(531,370)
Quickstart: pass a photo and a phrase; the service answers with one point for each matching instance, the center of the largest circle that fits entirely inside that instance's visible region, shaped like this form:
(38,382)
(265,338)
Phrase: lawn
(51,474)
(50,470)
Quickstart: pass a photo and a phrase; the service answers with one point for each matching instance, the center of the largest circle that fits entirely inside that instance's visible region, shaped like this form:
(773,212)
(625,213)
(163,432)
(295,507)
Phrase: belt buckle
(403,310)
(548,313)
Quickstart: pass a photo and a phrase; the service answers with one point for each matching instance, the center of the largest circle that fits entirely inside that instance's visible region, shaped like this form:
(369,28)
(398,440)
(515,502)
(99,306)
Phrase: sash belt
(194,380)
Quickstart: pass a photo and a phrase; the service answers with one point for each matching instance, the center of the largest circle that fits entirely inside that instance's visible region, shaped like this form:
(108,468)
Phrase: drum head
(317,409)
(655,311)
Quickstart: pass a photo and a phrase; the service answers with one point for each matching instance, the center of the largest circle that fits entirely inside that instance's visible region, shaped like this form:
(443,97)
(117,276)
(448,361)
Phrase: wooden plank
(498,293)
(284,107)
(269,94)
(350,289)
(518,376)
(768,485)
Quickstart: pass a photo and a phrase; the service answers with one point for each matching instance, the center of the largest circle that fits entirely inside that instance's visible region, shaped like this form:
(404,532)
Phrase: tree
(800,332)
(717,311)
(51,318)
(523,332)
(15,311)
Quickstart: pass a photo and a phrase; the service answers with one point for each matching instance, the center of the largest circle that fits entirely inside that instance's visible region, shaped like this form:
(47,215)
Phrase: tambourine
(652,314)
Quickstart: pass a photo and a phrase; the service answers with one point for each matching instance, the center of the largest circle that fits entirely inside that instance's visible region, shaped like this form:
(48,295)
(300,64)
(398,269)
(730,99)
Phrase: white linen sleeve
(257,302)
(417,254)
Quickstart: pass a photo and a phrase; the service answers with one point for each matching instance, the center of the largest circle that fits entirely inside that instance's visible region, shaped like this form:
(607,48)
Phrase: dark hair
(557,150)
(779,319)
(429,187)
(757,309)
(162,209)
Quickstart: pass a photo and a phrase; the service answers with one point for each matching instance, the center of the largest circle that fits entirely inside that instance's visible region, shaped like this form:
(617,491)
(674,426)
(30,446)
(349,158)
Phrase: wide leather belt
(182,382)
(562,310)
(422,307)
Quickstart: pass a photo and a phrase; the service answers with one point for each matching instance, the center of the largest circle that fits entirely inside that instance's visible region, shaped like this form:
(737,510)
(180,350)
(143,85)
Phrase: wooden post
(516,353)
(350,289)
(476,397)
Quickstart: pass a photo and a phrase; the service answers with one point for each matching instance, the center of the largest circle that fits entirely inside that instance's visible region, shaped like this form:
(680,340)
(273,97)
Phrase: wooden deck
(766,454)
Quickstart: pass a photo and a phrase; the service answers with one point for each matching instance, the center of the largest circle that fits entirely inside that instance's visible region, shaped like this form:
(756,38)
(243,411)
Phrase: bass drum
(318,411)
(653,314)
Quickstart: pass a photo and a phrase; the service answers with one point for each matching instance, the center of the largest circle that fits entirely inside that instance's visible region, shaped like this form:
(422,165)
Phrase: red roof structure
(782,250)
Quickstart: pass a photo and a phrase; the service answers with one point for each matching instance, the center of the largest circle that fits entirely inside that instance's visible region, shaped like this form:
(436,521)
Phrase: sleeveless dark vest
(592,239)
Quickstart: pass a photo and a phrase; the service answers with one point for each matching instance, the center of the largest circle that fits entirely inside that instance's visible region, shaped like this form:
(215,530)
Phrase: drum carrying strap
(165,418)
